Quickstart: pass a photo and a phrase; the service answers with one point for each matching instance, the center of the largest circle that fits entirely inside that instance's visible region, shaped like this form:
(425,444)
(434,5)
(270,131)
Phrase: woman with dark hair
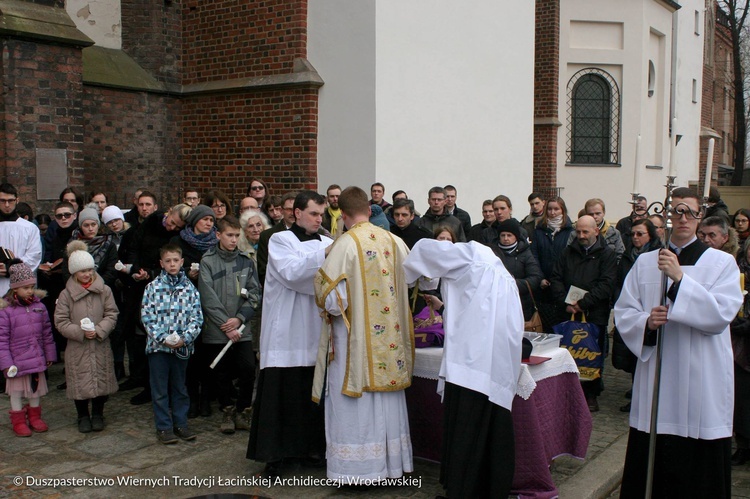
(259,190)
(549,241)
(741,223)
(643,238)
(219,202)
(72,196)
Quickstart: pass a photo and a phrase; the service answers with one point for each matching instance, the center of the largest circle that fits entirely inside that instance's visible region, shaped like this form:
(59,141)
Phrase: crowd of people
(208,305)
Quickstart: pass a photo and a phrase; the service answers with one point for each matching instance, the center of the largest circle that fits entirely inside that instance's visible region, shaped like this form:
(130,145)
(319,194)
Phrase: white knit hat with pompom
(79,257)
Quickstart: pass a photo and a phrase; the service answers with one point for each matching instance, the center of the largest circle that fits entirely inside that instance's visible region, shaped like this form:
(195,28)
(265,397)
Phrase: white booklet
(574,294)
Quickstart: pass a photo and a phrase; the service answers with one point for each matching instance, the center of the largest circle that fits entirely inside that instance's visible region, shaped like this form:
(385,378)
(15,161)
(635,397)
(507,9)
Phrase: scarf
(201,242)
(634,252)
(510,248)
(335,215)
(555,224)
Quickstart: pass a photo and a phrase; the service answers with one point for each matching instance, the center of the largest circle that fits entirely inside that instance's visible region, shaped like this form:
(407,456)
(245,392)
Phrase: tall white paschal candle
(709,165)
(672,148)
(637,164)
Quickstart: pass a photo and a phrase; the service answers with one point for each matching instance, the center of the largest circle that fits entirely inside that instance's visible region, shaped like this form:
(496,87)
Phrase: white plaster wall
(100,20)
(689,68)
(341,47)
(628,65)
(453,96)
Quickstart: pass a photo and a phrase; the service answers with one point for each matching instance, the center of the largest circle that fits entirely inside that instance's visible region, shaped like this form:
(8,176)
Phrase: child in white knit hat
(86,314)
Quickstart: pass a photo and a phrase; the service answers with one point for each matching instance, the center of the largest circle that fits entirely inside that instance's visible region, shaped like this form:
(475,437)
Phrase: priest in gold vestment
(366,350)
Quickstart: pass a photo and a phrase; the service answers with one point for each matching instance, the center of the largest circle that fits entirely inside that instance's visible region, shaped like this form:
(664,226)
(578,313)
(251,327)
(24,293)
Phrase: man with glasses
(696,398)
(17,236)
(192,198)
(659,225)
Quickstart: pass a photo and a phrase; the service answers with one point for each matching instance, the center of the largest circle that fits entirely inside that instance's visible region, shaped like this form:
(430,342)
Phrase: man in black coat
(590,264)
(403,214)
(452,209)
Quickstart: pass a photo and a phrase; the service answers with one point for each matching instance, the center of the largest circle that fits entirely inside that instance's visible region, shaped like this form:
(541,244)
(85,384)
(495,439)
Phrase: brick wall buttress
(546,84)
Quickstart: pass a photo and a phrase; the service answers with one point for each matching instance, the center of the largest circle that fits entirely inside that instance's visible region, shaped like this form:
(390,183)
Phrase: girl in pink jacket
(26,348)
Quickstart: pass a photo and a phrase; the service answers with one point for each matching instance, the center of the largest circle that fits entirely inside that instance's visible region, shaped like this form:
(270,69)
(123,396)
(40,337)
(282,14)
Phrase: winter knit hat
(511,225)
(199,212)
(20,274)
(111,213)
(79,257)
(88,214)
(377,217)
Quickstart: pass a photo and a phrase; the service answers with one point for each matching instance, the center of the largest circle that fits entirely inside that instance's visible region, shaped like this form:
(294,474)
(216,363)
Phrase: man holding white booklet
(590,265)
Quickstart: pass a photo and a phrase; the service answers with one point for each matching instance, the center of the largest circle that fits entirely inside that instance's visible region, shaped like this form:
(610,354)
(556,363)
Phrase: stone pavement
(127,451)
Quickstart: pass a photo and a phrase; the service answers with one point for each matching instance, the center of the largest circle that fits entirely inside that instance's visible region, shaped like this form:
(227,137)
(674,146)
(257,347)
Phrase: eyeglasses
(639,234)
(257,188)
(63,216)
(219,207)
(741,221)
(8,201)
(657,227)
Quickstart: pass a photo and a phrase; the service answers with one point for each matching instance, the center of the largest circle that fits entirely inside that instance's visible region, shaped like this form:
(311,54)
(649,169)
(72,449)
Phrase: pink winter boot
(35,419)
(18,420)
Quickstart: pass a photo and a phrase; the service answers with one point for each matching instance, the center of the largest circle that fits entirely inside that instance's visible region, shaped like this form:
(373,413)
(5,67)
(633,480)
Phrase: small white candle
(672,150)
(637,164)
(709,164)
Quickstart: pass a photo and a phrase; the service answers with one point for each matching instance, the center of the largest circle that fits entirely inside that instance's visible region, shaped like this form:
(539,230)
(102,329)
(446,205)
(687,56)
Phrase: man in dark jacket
(452,209)
(488,218)
(436,216)
(590,264)
(403,214)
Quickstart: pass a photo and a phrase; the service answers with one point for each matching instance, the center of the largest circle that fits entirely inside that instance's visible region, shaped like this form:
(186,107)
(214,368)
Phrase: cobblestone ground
(127,450)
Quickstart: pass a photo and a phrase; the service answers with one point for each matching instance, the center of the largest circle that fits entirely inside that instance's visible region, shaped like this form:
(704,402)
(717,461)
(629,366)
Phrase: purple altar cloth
(554,421)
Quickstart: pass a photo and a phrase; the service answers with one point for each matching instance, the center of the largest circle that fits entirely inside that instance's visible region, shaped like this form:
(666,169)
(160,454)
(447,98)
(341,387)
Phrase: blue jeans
(168,389)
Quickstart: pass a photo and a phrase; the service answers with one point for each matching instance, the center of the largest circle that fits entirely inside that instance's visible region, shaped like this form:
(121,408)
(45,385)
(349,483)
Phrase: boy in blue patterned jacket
(171,313)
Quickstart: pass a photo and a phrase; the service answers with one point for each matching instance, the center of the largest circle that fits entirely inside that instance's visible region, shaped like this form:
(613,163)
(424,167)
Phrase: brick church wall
(231,137)
(132,140)
(41,107)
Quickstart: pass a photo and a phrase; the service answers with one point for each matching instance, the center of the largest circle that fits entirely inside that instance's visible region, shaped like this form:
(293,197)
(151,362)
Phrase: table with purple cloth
(550,417)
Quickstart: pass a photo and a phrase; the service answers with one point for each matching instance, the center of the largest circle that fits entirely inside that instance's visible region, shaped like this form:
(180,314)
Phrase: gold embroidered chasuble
(380,353)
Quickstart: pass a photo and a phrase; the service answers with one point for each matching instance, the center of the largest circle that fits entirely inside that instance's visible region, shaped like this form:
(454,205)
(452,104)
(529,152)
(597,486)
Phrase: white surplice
(483,318)
(22,238)
(696,397)
(367,437)
(290,325)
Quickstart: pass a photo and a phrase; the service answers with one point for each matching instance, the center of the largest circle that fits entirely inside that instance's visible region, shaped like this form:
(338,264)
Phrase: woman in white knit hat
(86,314)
